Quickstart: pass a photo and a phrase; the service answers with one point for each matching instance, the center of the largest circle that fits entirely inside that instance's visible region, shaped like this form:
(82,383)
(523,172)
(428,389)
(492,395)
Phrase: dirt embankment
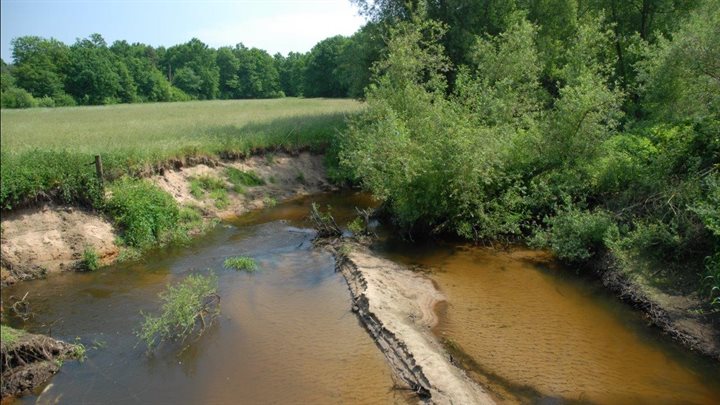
(674,314)
(48,239)
(396,306)
(29,360)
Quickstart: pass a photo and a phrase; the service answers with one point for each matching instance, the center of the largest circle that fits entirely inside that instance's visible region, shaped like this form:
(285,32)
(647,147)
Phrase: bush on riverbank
(500,154)
(144,212)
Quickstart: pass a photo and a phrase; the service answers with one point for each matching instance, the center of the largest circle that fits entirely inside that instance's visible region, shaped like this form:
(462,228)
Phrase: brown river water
(532,331)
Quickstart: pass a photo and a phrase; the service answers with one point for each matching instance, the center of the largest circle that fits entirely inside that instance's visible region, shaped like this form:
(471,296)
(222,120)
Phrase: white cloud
(283,33)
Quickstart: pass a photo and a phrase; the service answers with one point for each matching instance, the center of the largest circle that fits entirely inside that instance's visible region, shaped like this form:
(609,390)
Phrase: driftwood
(324,223)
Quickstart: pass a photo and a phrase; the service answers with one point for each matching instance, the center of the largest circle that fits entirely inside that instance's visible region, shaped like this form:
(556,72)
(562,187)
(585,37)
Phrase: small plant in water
(357,226)
(241,263)
(188,308)
(79,351)
(91,259)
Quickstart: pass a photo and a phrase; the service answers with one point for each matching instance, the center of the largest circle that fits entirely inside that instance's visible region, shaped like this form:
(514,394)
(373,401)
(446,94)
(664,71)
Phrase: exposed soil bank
(48,239)
(31,360)
(671,313)
(397,308)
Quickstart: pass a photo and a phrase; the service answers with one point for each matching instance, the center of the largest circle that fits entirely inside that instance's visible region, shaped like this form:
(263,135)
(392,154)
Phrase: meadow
(46,152)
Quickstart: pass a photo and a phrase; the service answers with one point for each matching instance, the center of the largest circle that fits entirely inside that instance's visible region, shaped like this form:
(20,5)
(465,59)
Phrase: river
(529,329)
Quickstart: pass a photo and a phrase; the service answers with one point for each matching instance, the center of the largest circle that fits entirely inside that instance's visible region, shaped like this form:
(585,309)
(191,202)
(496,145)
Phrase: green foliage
(575,128)
(90,259)
(269,201)
(38,175)
(144,212)
(221,198)
(201,184)
(575,235)
(357,226)
(177,94)
(216,188)
(323,75)
(91,72)
(16,98)
(188,308)
(241,263)
(711,280)
(243,178)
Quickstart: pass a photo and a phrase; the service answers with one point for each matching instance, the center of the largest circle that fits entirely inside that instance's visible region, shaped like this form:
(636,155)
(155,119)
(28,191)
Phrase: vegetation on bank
(578,131)
(47,155)
(188,309)
(9,335)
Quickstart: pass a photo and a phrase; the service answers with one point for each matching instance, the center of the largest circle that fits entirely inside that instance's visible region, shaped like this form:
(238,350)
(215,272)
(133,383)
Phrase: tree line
(47,72)
(588,127)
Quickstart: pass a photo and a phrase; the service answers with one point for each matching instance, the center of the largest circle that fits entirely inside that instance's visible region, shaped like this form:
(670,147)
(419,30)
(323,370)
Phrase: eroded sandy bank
(52,238)
(396,306)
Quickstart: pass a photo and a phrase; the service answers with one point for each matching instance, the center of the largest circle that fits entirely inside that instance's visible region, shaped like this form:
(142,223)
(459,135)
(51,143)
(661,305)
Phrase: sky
(274,25)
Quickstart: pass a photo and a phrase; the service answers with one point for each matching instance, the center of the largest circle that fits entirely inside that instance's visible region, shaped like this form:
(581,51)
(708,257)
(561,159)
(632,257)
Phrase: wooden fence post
(99,169)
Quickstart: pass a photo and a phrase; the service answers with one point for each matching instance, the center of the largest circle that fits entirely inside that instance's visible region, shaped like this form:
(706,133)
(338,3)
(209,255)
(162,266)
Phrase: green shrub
(357,226)
(243,178)
(190,215)
(46,101)
(143,211)
(188,308)
(575,235)
(711,281)
(90,259)
(653,239)
(16,97)
(178,95)
(241,263)
(64,100)
(221,198)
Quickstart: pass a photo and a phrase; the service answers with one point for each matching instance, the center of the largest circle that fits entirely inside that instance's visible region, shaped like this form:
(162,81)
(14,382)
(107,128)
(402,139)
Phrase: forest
(591,128)
(48,73)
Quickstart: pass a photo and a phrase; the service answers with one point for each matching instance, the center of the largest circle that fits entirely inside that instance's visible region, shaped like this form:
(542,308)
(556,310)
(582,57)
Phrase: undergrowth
(145,214)
(243,178)
(90,259)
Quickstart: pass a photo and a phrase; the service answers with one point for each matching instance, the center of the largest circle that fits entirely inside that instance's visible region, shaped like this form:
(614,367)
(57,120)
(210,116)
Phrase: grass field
(168,128)
(45,152)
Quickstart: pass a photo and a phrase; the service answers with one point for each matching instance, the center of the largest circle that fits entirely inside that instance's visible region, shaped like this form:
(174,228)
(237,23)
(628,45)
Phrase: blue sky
(273,25)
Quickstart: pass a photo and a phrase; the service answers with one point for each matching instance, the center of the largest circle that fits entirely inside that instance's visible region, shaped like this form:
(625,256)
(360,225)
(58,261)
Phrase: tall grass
(46,153)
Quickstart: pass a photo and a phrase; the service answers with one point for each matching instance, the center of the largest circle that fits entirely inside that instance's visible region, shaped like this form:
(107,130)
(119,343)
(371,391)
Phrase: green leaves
(144,212)
(188,308)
